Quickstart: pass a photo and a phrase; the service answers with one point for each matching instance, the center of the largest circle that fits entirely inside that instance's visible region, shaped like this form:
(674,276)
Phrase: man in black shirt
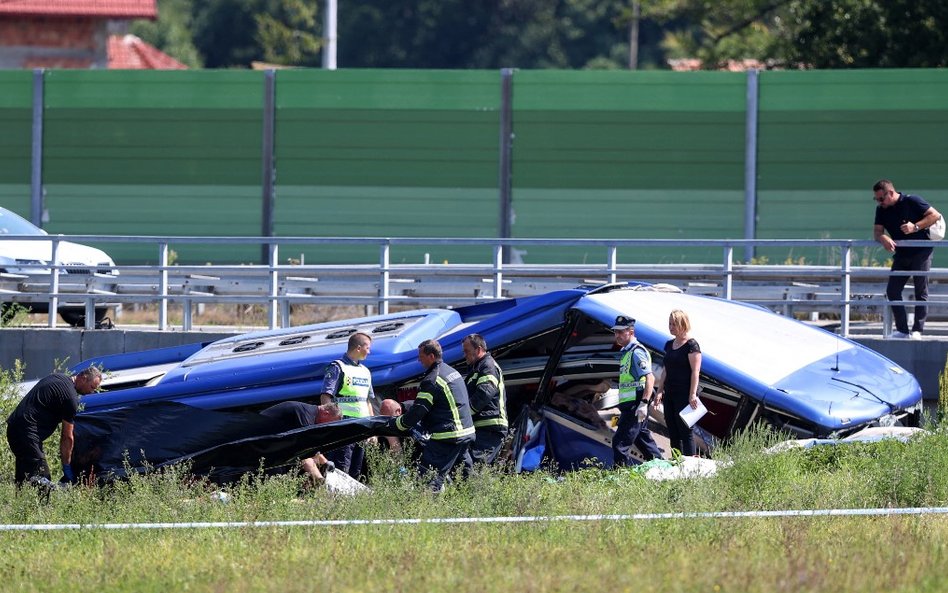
(904,217)
(53,400)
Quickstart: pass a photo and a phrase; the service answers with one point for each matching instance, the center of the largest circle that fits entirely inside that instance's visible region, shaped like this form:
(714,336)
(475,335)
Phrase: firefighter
(443,416)
(485,388)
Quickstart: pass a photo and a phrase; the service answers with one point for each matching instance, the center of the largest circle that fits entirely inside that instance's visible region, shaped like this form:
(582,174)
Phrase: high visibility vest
(354,388)
(630,387)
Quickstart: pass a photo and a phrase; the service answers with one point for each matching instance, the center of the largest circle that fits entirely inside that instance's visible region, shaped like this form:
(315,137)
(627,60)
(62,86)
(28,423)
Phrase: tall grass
(791,554)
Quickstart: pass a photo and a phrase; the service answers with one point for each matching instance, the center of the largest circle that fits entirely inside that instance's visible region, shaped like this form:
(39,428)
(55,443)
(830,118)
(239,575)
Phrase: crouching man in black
(53,400)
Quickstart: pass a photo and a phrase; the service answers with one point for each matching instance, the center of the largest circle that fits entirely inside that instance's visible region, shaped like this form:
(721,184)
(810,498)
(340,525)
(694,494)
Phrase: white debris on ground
(866,435)
(341,483)
(220,496)
(688,467)
(697,467)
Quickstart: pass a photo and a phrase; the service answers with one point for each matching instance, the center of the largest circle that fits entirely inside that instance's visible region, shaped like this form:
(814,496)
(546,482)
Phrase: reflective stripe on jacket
(441,407)
(485,387)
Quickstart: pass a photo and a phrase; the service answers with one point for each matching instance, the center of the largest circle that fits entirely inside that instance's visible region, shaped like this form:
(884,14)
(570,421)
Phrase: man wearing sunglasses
(905,218)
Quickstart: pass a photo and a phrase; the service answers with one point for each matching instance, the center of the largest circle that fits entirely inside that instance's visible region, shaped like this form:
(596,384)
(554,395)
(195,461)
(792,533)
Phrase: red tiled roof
(128,52)
(117,9)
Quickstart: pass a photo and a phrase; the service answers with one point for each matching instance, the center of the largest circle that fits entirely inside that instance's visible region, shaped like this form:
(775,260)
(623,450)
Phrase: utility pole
(634,35)
(329,41)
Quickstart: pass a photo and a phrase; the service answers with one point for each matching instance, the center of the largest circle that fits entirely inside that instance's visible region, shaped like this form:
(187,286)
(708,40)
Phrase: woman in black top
(678,383)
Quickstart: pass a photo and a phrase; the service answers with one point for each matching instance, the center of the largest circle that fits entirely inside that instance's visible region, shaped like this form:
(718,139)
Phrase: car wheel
(77,317)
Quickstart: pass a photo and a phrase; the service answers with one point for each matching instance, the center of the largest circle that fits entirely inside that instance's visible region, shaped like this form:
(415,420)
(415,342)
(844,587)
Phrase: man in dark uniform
(635,393)
(441,411)
(485,388)
(904,217)
(53,400)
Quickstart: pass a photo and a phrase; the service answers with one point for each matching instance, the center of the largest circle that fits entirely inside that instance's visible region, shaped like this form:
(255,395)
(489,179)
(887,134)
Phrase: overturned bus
(558,357)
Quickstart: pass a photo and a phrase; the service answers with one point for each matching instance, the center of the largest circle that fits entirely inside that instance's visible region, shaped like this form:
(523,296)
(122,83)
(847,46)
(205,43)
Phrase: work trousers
(485,448)
(348,459)
(28,452)
(632,433)
(438,459)
(921,262)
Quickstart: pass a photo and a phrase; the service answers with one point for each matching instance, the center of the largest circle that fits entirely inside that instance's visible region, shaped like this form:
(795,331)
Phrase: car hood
(42,251)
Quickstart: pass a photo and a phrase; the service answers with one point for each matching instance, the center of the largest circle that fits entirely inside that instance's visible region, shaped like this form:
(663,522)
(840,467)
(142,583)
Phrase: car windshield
(12,224)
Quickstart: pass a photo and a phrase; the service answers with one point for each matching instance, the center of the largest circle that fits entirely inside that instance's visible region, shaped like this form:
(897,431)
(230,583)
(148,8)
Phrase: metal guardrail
(816,289)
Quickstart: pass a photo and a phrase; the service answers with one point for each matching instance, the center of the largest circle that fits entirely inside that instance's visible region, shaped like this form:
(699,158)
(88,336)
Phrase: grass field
(888,553)
(882,553)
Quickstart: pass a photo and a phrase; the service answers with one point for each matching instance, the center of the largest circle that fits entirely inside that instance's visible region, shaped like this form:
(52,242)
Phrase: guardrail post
(727,279)
(750,163)
(498,271)
(162,286)
(384,278)
(36,154)
(886,320)
(266,157)
(186,319)
(612,259)
(845,289)
(273,307)
(90,301)
(504,182)
(54,285)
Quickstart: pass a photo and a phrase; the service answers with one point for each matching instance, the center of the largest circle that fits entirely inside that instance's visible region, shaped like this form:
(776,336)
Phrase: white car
(28,258)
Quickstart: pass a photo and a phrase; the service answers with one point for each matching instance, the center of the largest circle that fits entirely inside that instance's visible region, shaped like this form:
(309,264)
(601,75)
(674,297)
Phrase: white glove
(641,412)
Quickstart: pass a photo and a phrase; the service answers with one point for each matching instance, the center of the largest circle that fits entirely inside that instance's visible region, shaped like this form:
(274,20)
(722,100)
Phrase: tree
(869,33)
(807,33)
(232,33)
(171,32)
(409,33)
(487,34)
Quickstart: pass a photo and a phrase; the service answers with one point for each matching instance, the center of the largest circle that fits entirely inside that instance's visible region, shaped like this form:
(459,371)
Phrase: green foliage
(171,32)
(743,554)
(13,315)
(232,33)
(9,398)
(555,33)
(868,33)
(943,394)
(807,33)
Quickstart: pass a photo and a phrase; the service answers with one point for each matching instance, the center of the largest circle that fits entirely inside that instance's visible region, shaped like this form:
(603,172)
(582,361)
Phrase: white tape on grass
(460,520)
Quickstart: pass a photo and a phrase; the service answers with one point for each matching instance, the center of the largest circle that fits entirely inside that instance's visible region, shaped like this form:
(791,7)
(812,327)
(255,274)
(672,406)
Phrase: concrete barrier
(923,358)
(44,350)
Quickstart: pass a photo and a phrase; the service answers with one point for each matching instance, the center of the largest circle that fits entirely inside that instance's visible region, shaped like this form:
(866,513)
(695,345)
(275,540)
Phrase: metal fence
(837,291)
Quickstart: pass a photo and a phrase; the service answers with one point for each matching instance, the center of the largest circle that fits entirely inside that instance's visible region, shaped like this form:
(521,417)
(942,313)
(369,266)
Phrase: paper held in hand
(692,415)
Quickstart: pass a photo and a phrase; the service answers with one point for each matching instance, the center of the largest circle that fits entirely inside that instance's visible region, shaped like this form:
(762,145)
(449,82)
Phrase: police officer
(348,384)
(441,411)
(635,391)
(485,387)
